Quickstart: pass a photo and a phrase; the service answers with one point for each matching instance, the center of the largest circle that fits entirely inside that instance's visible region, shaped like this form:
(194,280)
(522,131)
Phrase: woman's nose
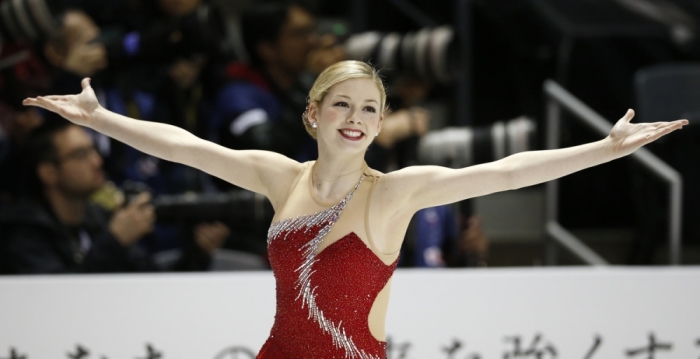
(354,117)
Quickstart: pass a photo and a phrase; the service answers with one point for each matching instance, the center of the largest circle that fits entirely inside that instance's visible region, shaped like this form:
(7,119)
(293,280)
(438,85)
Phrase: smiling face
(349,116)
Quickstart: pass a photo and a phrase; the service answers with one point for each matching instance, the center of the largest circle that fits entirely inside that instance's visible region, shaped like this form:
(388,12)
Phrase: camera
(429,53)
(459,147)
(243,209)
(23,23)
(200,32)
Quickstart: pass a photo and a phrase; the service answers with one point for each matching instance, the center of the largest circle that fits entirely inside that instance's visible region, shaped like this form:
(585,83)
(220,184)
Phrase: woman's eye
(370,109)
(341,103)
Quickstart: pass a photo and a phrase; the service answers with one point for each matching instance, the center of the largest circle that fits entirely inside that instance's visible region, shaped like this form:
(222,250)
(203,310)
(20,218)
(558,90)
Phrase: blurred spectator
(25,79)
(167,93)
(72,49)
(260,105)
(58,230)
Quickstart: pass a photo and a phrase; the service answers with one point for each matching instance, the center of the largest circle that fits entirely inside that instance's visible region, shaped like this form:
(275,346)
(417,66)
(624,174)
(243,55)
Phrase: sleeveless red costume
(324,299)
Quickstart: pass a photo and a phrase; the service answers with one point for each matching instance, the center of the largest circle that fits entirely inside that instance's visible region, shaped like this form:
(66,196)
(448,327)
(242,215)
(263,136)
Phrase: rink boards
(575,313)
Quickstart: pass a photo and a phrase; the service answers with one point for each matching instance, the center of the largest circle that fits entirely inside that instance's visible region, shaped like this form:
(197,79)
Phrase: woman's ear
(313,112)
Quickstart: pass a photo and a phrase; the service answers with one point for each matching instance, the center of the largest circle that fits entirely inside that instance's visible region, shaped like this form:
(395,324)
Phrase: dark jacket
(33,241)
(251,112)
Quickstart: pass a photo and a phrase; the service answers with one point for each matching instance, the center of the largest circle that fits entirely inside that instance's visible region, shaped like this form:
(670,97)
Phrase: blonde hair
(336,73)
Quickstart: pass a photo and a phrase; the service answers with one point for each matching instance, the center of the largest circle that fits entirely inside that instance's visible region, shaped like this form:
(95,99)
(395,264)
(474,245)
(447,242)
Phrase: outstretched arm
(429,186)
(258,171)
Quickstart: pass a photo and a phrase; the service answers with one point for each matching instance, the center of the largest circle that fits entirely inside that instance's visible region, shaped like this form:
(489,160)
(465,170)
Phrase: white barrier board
(577,313)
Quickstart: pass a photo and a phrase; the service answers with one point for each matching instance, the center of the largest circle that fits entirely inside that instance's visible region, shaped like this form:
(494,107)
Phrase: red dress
(324,299)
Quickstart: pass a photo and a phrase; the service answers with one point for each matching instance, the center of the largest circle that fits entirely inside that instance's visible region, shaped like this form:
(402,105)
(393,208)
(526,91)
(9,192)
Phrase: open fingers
(56,98)
(666,123)
(662,131)
(41,102)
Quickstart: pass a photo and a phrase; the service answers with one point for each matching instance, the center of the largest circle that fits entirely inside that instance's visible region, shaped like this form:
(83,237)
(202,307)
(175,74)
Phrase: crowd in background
(73,200)
(238,73)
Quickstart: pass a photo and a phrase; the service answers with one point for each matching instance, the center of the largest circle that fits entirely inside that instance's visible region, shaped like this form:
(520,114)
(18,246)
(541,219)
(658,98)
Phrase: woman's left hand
(627,137)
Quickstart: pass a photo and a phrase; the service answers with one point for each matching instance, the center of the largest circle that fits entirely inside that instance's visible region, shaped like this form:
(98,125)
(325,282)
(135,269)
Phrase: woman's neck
(334,176)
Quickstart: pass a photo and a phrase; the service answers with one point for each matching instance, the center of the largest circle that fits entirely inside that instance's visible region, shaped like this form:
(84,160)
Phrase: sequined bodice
(323,299)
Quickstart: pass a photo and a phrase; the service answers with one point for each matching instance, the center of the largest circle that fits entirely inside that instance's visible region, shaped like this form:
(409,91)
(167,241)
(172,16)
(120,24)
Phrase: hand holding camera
(131,223)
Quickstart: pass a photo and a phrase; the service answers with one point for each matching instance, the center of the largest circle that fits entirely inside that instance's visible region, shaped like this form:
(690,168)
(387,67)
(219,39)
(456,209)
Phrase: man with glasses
(259,103)
(55,228)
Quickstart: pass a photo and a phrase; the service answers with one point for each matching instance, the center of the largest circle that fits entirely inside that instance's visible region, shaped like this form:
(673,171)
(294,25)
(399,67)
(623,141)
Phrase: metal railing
(559,98)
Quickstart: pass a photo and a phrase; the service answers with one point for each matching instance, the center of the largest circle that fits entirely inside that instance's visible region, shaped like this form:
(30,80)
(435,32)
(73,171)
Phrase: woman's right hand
(78,109)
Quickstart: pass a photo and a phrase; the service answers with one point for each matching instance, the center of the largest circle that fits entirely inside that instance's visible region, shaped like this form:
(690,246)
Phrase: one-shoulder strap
(303,169)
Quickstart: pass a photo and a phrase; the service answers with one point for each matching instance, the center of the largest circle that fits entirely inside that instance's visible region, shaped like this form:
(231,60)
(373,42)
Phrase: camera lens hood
(28,20)
(361,46)
(421,52)
(406,53)
(440,40)
(388,50)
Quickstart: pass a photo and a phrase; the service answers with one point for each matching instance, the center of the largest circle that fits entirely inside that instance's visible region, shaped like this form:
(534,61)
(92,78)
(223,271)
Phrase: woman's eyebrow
(367,100)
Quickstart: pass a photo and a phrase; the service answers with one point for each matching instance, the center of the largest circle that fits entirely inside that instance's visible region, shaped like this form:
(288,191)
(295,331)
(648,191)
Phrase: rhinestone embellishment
(303,284)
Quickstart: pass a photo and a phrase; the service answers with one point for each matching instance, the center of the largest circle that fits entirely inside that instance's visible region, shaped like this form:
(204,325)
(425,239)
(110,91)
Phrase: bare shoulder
(265,172)
(277,172)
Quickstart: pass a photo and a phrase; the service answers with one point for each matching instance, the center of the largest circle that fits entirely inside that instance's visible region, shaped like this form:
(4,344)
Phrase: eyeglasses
(78,154)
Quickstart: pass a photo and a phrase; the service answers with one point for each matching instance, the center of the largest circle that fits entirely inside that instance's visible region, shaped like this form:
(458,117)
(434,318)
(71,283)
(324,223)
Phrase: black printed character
(235,353)
(14,354)
(650,349)
(533,351)
(596,344)
(397,350)
(456,347)
(80,353)
(152,353)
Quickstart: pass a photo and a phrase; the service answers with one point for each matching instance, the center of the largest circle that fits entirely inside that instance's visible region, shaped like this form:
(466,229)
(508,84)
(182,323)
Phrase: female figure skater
(338,227)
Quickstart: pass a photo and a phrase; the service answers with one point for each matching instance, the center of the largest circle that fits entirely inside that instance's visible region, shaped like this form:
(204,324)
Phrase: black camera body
(240,208)
(165,39)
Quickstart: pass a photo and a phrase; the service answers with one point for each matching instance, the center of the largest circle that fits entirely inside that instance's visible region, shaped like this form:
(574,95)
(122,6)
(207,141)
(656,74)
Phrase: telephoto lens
(243,208)
(429,53)
(459,147)
(28,21)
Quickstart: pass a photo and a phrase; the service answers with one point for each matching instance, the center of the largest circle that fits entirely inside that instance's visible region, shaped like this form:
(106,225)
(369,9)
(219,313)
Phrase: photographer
(163,83)
(58,230)
(22,25)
